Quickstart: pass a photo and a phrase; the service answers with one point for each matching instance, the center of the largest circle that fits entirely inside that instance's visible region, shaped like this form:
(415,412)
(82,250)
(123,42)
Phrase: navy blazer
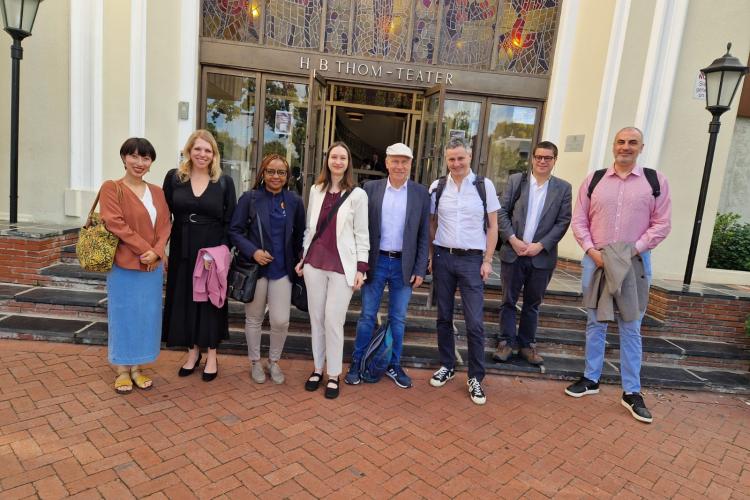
(416,227)
(253,205)
(553,223)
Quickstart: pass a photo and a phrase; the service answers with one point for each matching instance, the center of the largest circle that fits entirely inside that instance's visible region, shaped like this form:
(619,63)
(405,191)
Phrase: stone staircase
(72,305)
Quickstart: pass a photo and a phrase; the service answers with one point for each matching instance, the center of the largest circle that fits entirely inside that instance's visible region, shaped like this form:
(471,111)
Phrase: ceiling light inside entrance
(355,116)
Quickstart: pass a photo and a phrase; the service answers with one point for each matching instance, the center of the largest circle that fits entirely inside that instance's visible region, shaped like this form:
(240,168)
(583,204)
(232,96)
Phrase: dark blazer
(253,205)
(416,227)
(553,223)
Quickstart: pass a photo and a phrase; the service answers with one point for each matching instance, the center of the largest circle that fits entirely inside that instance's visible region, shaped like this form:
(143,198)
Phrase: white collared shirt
(537,195)
(460,213)
(393,218)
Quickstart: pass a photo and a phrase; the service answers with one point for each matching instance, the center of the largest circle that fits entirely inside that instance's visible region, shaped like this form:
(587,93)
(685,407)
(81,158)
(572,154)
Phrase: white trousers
(278,295)
(328,296)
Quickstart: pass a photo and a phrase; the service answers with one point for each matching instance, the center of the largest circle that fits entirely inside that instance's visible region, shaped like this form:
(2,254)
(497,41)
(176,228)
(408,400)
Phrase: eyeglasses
(543,158)
(270,172)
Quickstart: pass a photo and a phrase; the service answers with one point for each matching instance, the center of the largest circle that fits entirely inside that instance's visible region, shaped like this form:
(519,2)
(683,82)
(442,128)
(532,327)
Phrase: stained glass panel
(527,36)
(381,29)
(425,28)
(467,33)
(337,26)
(293,23)
(232,19)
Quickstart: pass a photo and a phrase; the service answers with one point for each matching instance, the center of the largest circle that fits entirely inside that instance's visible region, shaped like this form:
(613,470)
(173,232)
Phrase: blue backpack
(377,356)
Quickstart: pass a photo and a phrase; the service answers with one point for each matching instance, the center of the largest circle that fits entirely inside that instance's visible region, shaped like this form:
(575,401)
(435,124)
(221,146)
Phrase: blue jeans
(449,272)
(630,336)
(388,271)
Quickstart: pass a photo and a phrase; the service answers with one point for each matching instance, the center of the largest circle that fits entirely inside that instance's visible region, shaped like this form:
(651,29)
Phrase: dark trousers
(517,275)
(451,271)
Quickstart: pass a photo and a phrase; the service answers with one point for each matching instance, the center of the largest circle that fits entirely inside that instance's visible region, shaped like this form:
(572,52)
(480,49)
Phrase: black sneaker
(352,376)
(634,403)
(583,387)
(397,374)
(475,391)
(440,377)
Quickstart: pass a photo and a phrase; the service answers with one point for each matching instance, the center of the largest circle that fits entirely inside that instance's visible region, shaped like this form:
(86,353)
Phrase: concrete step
(421,352)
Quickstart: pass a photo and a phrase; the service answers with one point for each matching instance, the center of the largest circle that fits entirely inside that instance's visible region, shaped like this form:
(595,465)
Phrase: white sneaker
(276,374)
(475,391)
(257,372)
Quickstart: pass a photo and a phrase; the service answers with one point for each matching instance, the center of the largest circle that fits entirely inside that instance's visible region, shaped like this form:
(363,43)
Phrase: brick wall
(22,258)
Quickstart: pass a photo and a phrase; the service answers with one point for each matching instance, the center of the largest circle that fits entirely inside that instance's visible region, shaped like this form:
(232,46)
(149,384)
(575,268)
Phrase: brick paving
(63,431)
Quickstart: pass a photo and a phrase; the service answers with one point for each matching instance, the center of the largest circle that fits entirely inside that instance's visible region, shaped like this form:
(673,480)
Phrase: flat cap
(399,149)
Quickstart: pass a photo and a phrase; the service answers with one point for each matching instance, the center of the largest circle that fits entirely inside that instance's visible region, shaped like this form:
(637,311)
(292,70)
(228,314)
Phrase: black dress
(197,222)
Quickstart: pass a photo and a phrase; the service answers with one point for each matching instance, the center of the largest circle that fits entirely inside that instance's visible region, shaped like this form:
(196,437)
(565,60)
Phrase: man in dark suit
(399,218)
(534,215)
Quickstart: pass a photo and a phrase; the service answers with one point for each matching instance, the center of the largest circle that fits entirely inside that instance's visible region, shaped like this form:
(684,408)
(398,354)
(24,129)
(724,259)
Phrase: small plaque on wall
(574,143)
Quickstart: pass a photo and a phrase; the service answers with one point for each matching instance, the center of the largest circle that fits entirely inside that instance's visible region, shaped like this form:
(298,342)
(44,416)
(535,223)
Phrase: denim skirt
(134,310)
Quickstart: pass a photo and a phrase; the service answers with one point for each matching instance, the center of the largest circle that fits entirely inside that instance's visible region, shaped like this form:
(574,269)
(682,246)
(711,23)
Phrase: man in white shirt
(398,219)
(535,214)
(464,234)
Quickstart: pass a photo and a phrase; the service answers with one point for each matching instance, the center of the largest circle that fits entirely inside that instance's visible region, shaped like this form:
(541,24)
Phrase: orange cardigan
(128,219)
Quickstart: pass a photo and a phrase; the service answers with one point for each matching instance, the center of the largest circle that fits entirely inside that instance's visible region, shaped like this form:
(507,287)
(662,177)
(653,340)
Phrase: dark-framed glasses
(543,158)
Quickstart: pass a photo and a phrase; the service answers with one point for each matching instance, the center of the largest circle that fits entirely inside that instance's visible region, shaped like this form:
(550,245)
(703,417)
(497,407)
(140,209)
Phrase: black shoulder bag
(299,290)
(244,273)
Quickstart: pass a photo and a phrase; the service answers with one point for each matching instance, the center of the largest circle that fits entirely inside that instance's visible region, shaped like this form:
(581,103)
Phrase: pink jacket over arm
(211,284)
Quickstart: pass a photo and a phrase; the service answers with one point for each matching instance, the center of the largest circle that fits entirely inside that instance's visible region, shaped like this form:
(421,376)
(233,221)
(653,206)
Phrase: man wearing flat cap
(399,224)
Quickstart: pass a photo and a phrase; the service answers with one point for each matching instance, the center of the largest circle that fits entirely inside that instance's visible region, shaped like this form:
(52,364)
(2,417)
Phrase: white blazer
(352,234)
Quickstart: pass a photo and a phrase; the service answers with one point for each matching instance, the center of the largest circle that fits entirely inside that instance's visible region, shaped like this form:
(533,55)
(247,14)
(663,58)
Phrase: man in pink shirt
(625,206)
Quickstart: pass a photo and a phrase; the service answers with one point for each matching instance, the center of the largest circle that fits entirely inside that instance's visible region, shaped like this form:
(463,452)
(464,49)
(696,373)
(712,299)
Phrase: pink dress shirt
(622,210)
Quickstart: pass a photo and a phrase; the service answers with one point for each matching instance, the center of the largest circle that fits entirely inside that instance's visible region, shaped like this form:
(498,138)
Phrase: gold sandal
(123,384)
(140,380)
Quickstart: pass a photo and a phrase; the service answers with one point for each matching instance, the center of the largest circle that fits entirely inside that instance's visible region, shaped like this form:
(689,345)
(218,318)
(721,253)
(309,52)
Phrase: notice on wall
(282,123)
(699,91)
(456,134)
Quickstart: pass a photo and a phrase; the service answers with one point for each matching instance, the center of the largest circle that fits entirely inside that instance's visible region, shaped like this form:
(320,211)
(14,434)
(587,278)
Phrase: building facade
(292,76)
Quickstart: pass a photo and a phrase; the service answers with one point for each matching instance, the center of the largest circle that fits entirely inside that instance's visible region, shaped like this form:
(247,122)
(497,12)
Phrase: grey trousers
(277,294)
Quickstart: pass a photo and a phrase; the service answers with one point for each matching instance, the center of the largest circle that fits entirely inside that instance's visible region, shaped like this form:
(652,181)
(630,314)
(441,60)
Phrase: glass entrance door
(315,132)
(430,156)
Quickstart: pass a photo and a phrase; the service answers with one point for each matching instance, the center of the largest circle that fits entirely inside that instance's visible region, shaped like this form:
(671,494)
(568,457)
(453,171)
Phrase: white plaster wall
(44,129)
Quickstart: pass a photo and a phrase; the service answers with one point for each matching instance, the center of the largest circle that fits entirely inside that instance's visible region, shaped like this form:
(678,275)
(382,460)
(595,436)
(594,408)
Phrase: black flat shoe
(208,377)
(332,392)
(184,372)
(312,385)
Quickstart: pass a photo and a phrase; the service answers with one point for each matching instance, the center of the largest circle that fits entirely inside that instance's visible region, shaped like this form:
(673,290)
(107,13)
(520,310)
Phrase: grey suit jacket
(416,227)
(553,223)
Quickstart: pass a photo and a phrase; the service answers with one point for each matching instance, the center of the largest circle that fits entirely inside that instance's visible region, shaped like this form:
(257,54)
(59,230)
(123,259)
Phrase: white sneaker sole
(581,394)
(477,401)
(635,415)
(437,383)
(397,382)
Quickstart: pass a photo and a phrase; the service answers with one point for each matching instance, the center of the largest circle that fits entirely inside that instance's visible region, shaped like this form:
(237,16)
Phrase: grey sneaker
(276,374)
(257,373)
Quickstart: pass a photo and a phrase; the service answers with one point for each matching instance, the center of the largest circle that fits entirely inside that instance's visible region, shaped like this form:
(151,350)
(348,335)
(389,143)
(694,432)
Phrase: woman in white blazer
(334,262)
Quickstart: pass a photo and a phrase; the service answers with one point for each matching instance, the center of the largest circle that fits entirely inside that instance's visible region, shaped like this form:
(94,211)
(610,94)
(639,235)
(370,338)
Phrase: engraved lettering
(350,68)
(449,78)
(399,72)
(339,63)
(377,71)
(429,76)
(362,70)
(438,76)
(419,76)
(409,75)
(304,62)
(323,66)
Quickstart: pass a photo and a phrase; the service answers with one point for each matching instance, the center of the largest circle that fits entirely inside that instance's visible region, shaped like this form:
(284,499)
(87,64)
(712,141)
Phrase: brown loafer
(503,352)
(531,356)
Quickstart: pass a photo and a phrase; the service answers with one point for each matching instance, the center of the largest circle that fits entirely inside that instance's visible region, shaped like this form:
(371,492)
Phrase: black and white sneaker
(634,403)
(583,387)
(440,377)
(475,391)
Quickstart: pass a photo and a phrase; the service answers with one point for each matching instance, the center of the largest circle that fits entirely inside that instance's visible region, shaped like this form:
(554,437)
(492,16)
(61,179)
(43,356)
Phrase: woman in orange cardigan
(137,213)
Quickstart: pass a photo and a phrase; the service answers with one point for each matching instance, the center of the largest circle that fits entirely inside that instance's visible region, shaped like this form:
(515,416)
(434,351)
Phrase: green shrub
(730,245)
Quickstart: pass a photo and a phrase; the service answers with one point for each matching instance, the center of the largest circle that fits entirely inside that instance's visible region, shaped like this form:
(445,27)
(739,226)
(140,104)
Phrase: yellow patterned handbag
(96,246)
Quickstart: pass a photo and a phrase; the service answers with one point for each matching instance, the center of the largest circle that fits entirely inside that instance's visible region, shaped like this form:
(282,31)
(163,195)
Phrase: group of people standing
(390,233)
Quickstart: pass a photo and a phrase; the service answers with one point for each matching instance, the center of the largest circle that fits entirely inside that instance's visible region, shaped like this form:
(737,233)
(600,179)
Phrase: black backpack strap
(653,180)
(517,194)
(439,191)
(595,180)
(482,190)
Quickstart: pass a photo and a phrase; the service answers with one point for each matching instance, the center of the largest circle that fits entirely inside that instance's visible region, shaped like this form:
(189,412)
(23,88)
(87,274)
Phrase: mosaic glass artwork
(232,19)
(381,29)
(425,29)
(293,23)
(526,36)
(337,26)
(467,33)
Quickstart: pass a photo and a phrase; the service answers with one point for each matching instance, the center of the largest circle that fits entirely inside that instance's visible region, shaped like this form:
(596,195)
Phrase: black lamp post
(18,19)
(723,78)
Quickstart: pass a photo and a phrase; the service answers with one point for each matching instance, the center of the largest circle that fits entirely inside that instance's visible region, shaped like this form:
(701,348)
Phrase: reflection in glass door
(230,117)
(462,119)
(510,133)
